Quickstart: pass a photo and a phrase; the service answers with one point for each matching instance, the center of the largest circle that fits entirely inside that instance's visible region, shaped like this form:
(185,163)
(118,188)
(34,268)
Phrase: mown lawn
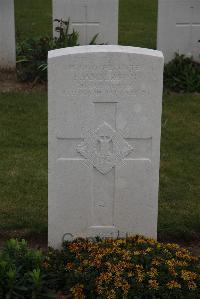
(33,18)
(23,134)
(179,205)
(23,163)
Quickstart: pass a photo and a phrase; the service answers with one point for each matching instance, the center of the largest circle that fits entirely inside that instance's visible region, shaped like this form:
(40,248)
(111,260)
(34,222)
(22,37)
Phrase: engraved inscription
(104,148)
(105,80)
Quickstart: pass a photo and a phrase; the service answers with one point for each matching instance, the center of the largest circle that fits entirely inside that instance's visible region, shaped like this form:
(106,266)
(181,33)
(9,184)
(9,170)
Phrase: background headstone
(179,28)
(7,35)
(89,17)
(104,141)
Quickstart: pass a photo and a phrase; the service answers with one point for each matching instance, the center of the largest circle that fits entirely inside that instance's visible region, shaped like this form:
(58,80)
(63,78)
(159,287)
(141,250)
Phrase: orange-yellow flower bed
(134,267)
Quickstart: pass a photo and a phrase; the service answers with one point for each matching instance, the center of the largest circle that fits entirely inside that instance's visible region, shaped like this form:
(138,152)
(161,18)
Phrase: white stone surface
(7,35)
(104,141)
(179,28)
(90,17)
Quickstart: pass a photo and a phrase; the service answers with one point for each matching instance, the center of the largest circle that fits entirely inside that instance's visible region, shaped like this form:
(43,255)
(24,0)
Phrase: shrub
(182,74)
(22,274)
(32,53)
(134,267)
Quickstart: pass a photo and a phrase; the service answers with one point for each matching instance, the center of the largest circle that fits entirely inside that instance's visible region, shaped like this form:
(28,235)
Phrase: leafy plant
(22,274)
(64,38)
(32,53)
(182,74)
(32,59)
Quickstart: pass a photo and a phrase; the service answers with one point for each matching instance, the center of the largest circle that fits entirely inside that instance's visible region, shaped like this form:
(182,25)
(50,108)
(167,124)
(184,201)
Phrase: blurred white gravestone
(179,28)
(104,141)
(88,18)
(7,35)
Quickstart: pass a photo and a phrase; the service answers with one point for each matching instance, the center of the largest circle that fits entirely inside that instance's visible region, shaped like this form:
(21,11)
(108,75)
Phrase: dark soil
(35,240)
(39,240)
(9,82)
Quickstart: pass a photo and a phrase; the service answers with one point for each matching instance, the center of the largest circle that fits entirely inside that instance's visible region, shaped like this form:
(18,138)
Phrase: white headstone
(179,28)
(7,35)
(104,141)
(89,17)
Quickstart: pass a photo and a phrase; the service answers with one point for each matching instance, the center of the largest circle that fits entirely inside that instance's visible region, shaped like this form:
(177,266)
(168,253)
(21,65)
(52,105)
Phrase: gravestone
(89,17)
(104,141)
(179,28)
(7,35)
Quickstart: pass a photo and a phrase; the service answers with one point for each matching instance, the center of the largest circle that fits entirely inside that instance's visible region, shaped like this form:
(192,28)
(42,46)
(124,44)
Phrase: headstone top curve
(104,48)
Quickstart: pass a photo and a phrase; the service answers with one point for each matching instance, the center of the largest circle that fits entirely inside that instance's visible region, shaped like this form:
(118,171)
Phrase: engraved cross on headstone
(192,26)
(85,24)
(103,149)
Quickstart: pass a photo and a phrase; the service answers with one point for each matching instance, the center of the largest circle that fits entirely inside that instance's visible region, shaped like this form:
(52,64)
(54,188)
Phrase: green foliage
(22,275)
(182,74)
(64,39)
(32,53)
(31,56)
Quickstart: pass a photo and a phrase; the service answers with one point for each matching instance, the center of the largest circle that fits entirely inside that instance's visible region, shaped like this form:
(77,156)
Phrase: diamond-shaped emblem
(104,148)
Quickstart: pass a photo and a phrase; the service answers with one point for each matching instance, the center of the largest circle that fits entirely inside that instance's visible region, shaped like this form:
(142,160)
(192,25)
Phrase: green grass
(137,21)
(179,206)
(23,163)
(33,18)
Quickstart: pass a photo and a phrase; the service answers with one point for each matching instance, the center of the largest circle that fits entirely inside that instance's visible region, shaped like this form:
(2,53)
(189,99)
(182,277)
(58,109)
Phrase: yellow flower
(125,287)
(170,263)
(153,284)
(172,271)
(153,272)
(172,246)
(141,241)
(120,241)
(140,276)
(192,285)
(181,263)
(185,254)
(69,266)
(155,262)
(77,291)
(74,247)
(152,241)
(149,249)
(139,267)
(188,275)
(173,285)
(111,294)
(139,273)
